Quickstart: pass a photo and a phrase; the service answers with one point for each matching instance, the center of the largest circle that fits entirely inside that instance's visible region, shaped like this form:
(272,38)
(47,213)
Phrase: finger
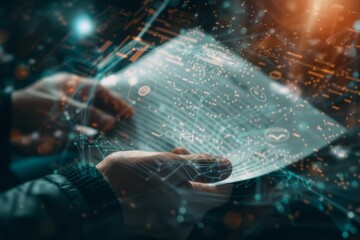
(180,151)
(176,169)
(196,167)
(90,115)
(37,144)
(100,120)
(107,100)
(210,169)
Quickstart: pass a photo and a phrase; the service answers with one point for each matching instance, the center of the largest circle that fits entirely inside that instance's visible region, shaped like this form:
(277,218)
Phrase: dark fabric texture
(5,123)
(77,203)
(92,184)
(8,179)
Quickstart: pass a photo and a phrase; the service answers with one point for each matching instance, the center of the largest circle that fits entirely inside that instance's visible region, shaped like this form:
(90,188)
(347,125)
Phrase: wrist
(97,192)
(112,174)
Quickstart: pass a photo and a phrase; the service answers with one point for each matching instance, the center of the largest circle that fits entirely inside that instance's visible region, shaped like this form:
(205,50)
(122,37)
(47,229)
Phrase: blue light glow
(83,25)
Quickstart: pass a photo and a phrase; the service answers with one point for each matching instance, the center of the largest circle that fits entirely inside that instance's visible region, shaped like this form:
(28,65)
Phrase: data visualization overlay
(196,93)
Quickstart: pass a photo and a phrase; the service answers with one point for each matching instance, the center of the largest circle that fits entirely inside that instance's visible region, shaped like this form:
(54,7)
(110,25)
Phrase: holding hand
(59,102)
(164,195)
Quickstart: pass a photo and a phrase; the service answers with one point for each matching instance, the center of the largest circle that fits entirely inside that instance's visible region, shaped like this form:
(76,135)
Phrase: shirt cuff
(101,198)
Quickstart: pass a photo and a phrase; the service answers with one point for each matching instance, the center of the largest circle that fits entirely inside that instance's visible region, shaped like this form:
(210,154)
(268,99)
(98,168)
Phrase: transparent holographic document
(196,93)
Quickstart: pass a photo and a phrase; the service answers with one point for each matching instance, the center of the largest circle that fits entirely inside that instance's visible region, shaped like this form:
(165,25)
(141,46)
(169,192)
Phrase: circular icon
(277,134)
(186,138)
(144,90)
(258,94)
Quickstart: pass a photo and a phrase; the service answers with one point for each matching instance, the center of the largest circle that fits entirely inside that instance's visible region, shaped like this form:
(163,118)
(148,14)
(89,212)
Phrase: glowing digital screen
(208,99)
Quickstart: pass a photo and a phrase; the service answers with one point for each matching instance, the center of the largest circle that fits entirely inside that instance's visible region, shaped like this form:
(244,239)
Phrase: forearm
(77,203)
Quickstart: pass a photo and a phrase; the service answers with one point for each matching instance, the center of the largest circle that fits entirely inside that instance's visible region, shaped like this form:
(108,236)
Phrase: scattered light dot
(182,210)
(280,208)
(109,80)
(339,152)
(351,215)
(83,25)
(226,4)
(180,219)
(320,185)
(133,81)
(200,225)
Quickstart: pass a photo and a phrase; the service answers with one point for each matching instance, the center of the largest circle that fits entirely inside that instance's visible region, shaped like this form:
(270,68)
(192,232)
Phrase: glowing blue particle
(303,126)
(261,13)
(180,219)
(352,84)
(339,152)
(351,215)
(345,234)
(83,25)
(286,199)
(200,225)
(320,185)
(280,208)
(226,4)
(351,52)
(347,227)
(182,210)
(243,31)
(357,25)
(257,197)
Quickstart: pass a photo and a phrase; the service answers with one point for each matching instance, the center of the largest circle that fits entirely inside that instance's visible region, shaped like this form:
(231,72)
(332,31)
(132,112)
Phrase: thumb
(203,168)
(180,151)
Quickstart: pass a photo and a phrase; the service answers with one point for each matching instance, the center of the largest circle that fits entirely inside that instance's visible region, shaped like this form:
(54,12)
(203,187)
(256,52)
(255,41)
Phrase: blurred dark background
(298,203)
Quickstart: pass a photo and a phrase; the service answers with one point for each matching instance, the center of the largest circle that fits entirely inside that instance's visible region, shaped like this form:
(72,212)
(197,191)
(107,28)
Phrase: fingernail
(181,151)
(222,163)
(129,113)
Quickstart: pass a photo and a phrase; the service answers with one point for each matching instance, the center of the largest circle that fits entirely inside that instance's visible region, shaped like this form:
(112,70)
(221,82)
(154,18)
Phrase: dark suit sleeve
(5,127)
(76,203)
(8,179)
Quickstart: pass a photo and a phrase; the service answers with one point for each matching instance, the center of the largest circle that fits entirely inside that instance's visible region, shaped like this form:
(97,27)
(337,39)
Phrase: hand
(58,103)
(163,195)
